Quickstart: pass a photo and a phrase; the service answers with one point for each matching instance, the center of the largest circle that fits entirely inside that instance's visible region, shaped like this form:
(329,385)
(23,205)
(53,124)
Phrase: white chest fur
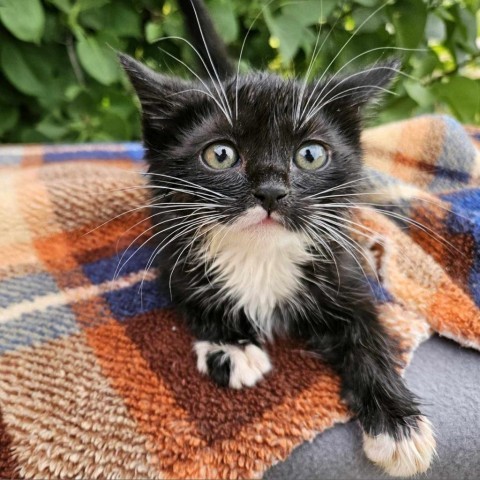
(258,268)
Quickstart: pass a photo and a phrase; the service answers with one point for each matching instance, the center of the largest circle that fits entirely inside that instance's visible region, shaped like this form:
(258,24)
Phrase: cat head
(264,148)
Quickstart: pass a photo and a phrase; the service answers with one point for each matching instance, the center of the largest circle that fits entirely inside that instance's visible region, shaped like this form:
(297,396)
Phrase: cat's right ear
(158,94)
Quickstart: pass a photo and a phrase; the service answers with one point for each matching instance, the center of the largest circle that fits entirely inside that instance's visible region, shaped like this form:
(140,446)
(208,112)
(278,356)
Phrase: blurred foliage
(60,81)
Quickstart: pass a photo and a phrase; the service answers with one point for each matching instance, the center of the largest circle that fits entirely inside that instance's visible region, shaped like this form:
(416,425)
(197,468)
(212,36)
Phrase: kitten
(251,178)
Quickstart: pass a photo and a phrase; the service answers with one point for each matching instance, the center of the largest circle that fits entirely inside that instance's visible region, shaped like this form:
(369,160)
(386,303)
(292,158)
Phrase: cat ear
(158,94)
(343,98)
(355,90)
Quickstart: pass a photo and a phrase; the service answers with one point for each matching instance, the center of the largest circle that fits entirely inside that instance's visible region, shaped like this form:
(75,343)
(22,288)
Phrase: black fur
(206,39)
(219,368)
(179,122)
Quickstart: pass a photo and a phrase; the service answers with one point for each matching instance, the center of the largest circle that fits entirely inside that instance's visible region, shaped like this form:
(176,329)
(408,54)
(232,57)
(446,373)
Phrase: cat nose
(269,195)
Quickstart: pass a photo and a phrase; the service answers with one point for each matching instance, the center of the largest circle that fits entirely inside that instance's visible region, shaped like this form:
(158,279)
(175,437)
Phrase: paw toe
(236,366)
(258,359)
(405,456)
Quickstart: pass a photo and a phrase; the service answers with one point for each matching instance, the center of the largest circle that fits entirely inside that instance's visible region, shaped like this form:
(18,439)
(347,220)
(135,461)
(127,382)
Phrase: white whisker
(211,61)
(344,94)
(336,187)
(219,103)
(340,51)
(155,225)
(154,174)
(154,186)
(189,228)
(176,227)
(241,53)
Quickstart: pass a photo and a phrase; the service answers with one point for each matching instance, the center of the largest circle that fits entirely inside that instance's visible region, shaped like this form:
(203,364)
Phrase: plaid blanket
(99,380)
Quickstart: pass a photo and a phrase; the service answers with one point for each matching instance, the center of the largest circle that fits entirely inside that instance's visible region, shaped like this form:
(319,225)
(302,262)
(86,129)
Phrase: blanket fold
(97,375)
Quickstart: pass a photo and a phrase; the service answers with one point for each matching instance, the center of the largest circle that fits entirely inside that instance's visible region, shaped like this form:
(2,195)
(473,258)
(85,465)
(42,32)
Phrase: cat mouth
(269,220)
(258,217)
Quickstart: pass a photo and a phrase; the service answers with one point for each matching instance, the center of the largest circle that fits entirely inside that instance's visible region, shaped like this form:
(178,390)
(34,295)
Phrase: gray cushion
(446,377)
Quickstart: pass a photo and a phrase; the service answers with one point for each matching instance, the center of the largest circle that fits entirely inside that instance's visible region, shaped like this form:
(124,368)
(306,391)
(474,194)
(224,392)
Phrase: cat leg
(236,365)
(397,437)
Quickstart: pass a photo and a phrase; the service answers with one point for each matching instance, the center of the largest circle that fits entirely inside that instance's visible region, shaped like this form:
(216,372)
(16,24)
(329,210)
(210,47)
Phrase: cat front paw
(406,453)
(232,365)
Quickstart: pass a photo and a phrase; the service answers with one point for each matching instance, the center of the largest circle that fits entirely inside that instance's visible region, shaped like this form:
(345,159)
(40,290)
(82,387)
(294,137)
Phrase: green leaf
(289,32)
(23,71)
(83,105)
(308,43)
(72,92)
(115,126)
(51,128)
(153,31)
(463,97)
(26,68)
(30,135)
(358,49)
(420,94)
(309,12)
(174,25)
(409,18)
(116,19)
(123,21)
(435,28)
(25,19)
(445,14)
(367,3)
(64,5)
(98,60)
(8,94)
(466,32)
(424,63)
(224,18)
(8,118)
(94,19)
(83,5)
(119,103)
(55,31)
(396,110)
(373,24)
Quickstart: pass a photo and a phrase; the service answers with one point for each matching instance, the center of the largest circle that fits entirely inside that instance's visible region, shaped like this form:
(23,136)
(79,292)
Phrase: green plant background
(60,81)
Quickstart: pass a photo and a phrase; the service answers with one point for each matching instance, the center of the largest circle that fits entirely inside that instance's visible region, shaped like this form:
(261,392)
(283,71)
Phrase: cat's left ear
(158,94)
(357,89)
(344,97)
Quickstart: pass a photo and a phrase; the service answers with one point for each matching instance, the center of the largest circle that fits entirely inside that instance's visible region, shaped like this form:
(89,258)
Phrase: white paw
(406,456)
(247,363)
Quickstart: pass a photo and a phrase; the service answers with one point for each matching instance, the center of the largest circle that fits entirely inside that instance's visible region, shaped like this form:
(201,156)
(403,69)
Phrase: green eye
(220,156)
(311,156)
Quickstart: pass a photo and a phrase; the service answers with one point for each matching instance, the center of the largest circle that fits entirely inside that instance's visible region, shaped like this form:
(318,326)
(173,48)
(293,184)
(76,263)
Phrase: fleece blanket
(97,374)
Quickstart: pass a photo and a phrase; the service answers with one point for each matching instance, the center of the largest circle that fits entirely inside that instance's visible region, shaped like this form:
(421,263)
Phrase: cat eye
(220,156)
(311,156)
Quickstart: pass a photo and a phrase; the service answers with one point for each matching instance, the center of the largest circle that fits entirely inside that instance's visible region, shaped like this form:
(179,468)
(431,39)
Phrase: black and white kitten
(251,177)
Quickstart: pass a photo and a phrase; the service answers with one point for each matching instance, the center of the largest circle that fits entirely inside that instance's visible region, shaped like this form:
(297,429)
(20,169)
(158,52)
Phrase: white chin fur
(248,364)
(405,457)
(257,267)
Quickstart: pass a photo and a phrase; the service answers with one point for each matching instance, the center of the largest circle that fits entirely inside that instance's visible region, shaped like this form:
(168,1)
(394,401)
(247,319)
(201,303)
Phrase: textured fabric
(97,375)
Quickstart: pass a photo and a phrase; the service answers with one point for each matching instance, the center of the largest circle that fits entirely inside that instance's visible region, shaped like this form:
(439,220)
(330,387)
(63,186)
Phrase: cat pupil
(309,156)
(222,155)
